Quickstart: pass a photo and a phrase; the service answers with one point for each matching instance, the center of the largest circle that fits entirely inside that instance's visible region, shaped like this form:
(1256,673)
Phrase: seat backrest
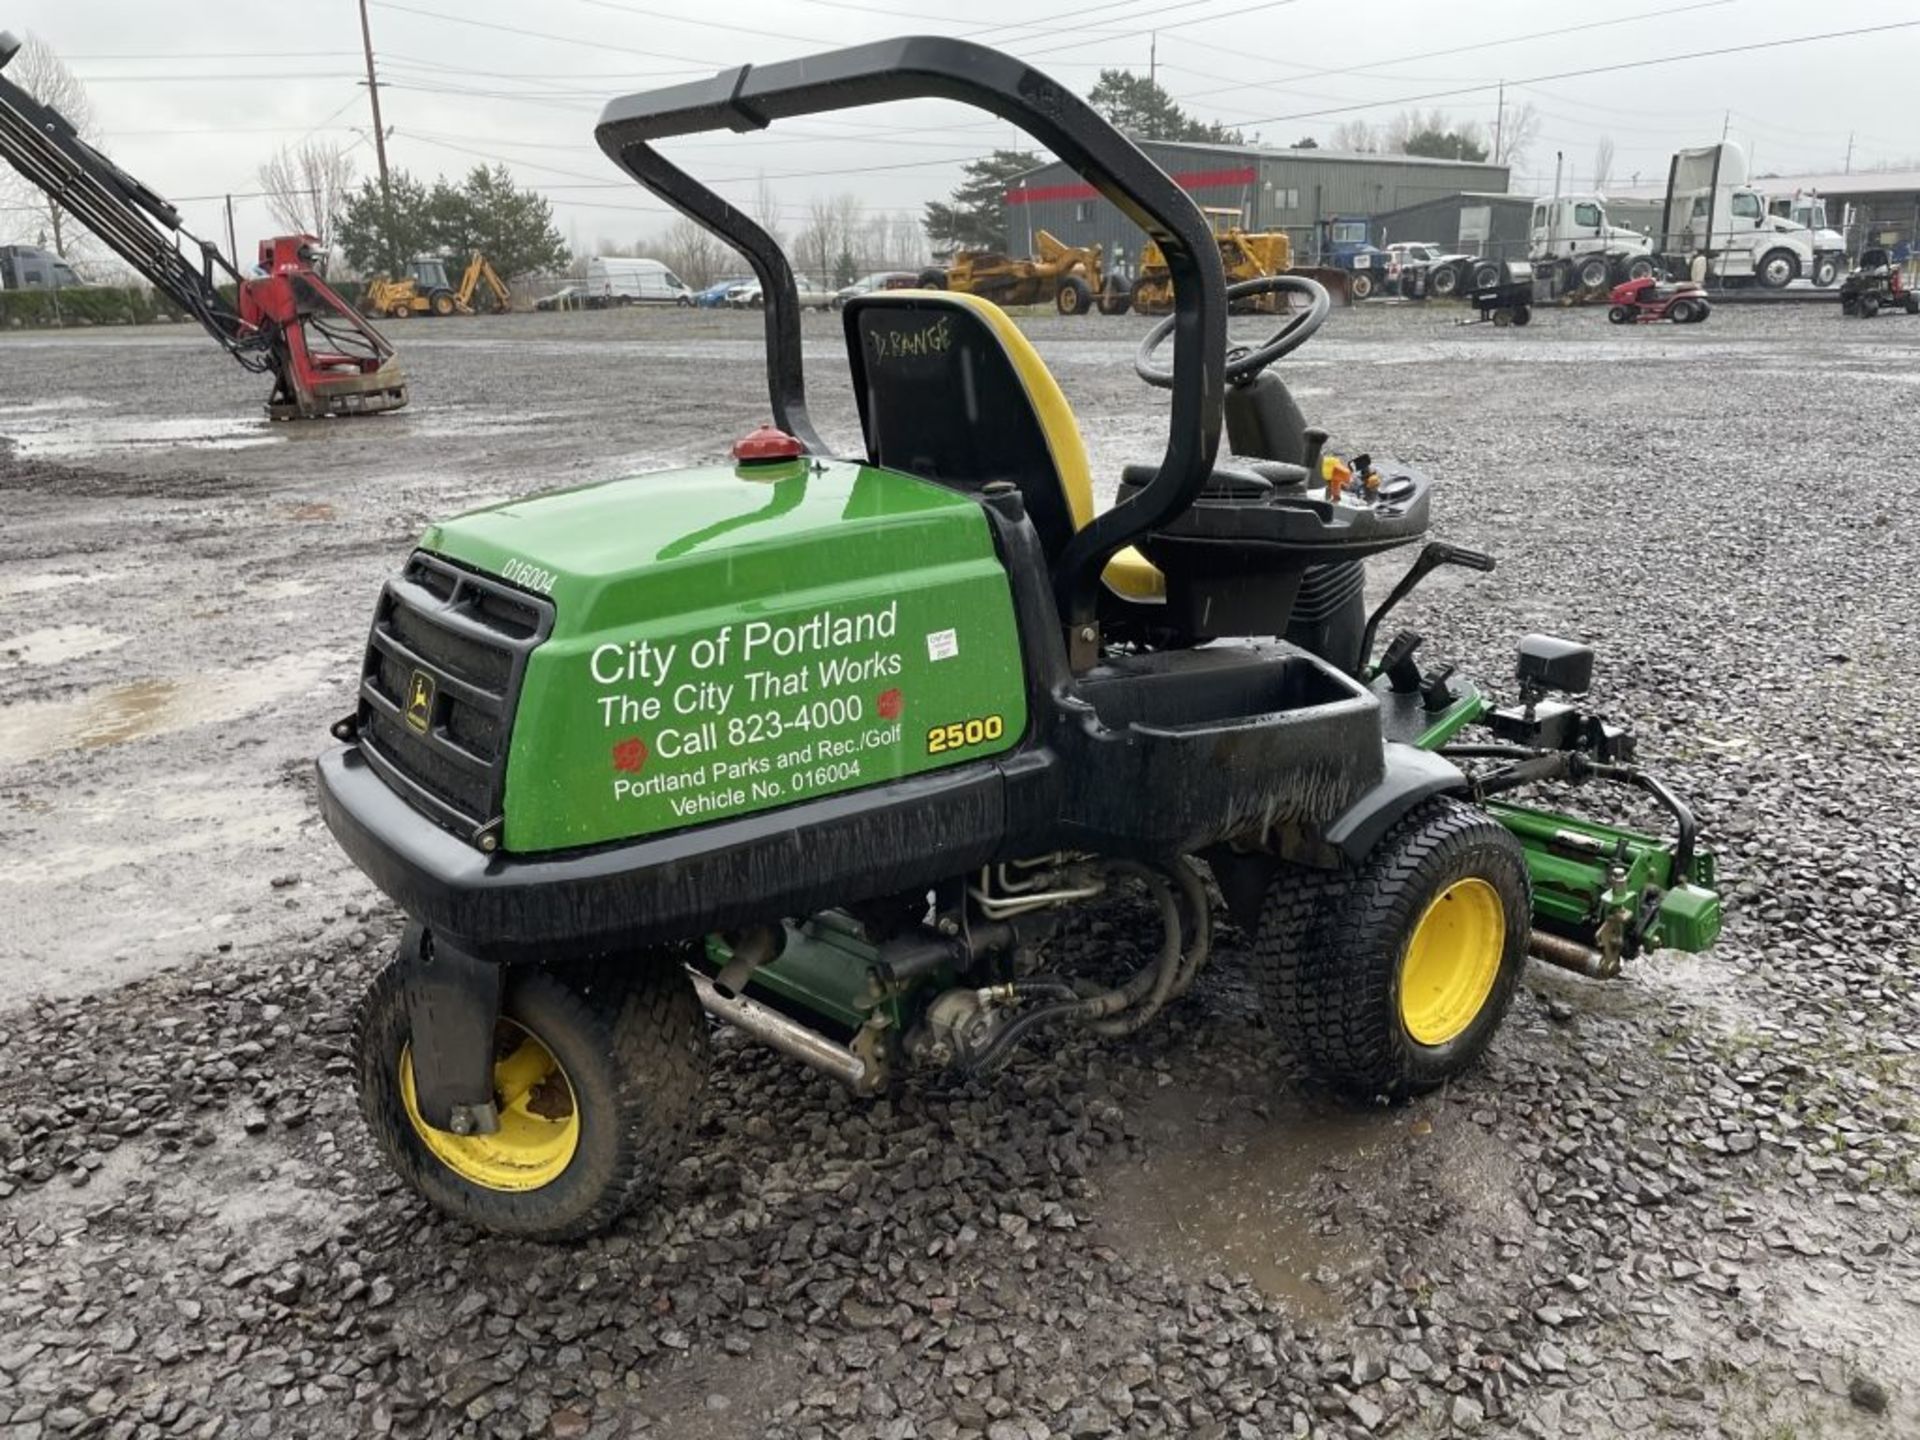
(951,391)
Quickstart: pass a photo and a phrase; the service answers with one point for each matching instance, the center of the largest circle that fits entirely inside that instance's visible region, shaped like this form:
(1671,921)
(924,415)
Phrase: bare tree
(307,186)
(44,76)
(693,253)
(1354,136)
(766,209)
(1519,128)
(1602,163)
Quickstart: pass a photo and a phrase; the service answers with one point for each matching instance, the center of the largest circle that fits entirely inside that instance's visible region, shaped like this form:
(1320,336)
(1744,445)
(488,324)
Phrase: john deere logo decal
(420,701)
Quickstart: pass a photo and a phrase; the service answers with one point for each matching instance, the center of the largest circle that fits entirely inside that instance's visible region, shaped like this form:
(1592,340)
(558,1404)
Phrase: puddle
(53,580)
(140,708)
(59,434)
(1239,1195)
(60,642)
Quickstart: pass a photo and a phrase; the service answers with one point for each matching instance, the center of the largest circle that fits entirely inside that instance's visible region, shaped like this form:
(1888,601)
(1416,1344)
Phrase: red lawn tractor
(1641,302)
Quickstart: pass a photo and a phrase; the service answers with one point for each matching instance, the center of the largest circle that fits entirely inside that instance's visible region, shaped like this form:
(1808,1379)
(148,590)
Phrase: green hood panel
(729,640)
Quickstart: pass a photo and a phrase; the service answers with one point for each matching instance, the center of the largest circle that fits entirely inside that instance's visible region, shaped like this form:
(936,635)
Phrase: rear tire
(1640,269)
(1391,978)
(630,1045)
(442,303)
(931,279)
(1681,313)
(1522,314)
(1913,304)
(1869,306)
(1592,273)
(1486,274)
(1502,319)
(1073,297)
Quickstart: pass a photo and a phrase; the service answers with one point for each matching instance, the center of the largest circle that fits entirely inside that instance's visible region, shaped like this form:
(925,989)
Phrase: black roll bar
(752,97)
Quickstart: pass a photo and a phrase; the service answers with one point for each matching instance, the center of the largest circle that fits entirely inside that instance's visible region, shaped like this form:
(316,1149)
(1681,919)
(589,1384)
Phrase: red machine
(1645,301)
(285,322)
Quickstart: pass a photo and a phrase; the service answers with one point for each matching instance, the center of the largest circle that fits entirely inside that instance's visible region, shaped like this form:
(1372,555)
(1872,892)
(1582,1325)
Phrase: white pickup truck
(1808,212)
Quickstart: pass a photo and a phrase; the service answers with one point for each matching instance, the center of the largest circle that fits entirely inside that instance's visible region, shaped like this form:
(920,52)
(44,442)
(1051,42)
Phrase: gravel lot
(1682,1202)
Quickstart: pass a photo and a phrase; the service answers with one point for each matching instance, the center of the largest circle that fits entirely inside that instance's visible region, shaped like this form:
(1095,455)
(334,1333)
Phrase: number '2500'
(962,733)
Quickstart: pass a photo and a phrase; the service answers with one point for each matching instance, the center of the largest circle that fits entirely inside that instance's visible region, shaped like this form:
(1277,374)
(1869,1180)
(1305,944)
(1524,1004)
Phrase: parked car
(625,280)
(567,297)
(716,294)
(747,296)
(879,280)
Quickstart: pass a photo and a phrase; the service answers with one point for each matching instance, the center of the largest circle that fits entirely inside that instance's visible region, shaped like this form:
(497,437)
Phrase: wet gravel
(1683,1202)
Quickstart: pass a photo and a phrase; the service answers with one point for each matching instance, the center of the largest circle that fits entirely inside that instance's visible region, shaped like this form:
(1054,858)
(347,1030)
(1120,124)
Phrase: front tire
(932,279)
(1620,315)
(598,1074)
(1592,273)
(1361,285)
(1869,306)
(1640,269)
(1391,978)
(1073,296)
(1777,269)
(1444,281)
(1825,272)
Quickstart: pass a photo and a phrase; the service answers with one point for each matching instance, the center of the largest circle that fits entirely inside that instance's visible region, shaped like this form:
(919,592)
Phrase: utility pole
(1849,169)
(373,93)
(1499,119)
(1153,58)
(379,137)
(233,246)
(1725,121)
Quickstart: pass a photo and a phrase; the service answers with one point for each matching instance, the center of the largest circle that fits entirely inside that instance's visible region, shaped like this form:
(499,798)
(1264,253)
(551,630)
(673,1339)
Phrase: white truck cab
(1718,226)
(1807,211)
(1573,234)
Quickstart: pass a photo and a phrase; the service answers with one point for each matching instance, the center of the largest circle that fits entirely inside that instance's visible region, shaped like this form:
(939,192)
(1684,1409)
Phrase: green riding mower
(830,746)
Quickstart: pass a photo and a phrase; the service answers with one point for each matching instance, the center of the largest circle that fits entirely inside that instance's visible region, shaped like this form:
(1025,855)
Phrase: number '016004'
(963,733)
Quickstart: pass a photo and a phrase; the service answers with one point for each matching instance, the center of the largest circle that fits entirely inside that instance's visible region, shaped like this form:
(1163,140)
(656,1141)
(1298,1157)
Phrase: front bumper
(581,903)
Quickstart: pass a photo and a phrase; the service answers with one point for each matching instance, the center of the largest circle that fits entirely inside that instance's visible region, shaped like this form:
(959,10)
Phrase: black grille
(440,684)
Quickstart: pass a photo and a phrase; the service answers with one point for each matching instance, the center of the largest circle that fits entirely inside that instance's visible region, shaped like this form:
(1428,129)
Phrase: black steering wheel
(1243,364)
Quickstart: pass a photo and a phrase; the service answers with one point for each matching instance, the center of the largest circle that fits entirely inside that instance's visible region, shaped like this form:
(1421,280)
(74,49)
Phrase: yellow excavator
(425,290)
(1246,256)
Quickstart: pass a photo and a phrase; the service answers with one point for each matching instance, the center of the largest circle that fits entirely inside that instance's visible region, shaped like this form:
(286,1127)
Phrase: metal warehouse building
(1273,189)
(1476,223)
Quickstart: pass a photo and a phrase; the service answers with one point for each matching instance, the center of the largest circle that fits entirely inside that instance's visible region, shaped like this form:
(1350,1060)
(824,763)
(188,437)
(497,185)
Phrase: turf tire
(1330,947)
(632,1040)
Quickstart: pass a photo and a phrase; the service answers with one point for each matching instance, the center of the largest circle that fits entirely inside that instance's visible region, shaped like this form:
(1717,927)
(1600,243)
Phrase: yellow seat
(1129,573)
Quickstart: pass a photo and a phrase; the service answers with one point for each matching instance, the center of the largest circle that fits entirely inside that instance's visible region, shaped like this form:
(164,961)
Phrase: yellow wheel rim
(1453,958)
(539,1121)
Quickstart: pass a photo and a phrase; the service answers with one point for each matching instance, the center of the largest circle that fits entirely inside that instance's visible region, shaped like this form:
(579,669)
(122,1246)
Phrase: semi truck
(1574,243)
(1808,211)
(1717,227)
(26,267)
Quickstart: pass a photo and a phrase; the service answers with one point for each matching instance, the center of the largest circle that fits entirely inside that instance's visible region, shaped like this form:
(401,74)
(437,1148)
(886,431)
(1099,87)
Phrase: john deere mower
(830,746)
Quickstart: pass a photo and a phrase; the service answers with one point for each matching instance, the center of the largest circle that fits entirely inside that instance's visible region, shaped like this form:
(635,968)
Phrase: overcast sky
(191,98)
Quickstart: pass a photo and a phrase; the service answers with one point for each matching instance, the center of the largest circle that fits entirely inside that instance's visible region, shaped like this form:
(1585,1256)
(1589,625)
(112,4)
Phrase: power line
(1596,70)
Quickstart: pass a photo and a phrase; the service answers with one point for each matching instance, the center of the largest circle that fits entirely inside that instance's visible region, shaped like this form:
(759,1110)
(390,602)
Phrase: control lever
(1399,666)
(1436,694)
(1433,555)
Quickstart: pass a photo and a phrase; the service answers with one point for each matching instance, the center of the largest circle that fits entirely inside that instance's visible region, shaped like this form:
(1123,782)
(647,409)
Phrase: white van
(622,280)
